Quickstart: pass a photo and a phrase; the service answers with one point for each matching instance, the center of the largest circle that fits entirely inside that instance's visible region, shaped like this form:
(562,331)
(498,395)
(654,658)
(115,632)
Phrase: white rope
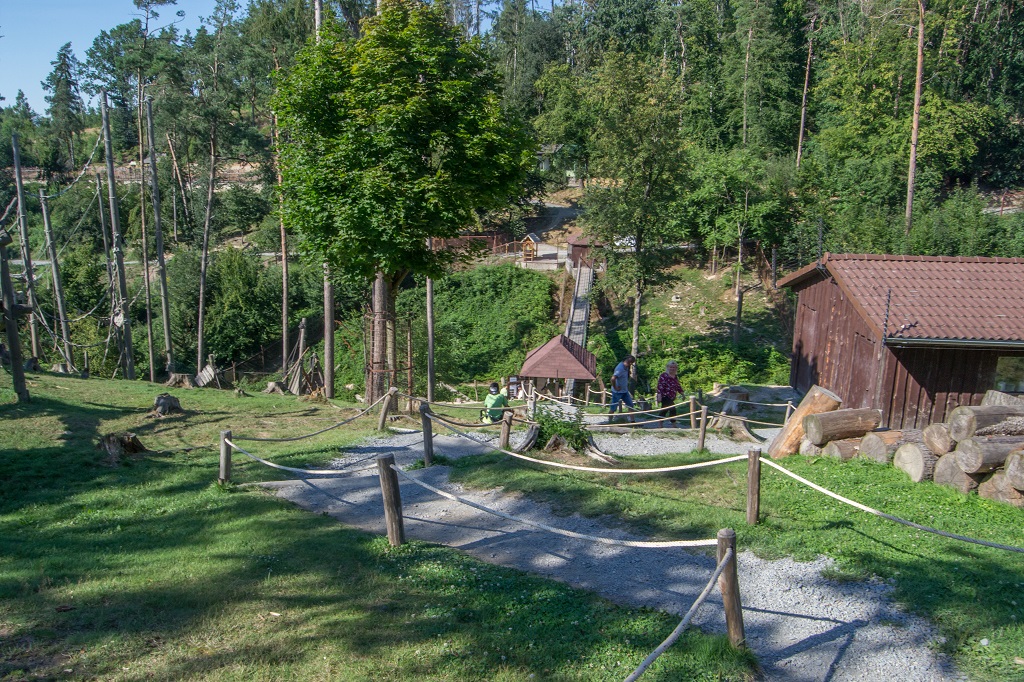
(558,531)
(743,419)
(304,472)
(671,639)
(632,425)
(574,467)
(869,510)
(315,433)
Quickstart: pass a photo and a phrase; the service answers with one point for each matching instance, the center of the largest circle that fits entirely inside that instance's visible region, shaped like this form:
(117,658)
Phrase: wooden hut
(914,336)
(559,359)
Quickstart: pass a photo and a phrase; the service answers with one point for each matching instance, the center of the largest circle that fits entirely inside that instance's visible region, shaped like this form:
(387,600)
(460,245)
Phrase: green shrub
(554,422)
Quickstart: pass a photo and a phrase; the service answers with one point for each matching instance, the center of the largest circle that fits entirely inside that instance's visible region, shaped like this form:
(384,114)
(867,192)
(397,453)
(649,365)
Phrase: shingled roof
(930,299)
(560,358)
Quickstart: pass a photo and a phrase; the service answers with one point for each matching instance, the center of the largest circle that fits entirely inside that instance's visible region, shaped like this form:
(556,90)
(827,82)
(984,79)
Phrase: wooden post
(225,457)
(392,500)
(506,429)
(26,251)
(753,485)
(693,411)
(385,407)
(158,236)
(58,286)
(789,411)
(729,583)
(328,334)
(703,427)
(430,339)
(10,316)
(428,434)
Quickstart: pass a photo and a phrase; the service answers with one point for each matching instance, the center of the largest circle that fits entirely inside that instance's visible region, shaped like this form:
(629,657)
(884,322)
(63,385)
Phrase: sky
(33,31)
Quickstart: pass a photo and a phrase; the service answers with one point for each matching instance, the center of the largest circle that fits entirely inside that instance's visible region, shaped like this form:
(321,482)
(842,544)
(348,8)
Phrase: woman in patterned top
(668,388)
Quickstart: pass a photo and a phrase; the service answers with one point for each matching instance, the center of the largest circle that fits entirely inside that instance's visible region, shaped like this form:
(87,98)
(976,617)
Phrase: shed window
(1010,374)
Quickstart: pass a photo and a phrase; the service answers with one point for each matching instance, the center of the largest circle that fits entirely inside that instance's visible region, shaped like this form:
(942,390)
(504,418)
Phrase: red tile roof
(932,297)
(560,358)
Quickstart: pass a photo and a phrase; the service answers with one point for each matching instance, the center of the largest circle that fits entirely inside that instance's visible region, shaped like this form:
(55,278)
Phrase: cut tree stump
(996,487)
(916,460)
(118,445)
(556,442)
(1014,426)
(166,404)
(999,398)
(948,473)
(880,446)
(277,387)
(180,381)
(531,439)
(845,449)
(808,448)
(841,424)
(1014,469)
(817,401)
(982,454)
(964,421)
(936,437)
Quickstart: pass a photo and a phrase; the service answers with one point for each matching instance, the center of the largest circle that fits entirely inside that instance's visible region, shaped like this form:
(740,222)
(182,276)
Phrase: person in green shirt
(493,403)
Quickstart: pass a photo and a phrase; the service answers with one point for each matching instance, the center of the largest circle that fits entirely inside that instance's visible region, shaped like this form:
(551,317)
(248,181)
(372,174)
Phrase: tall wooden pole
(284,251)
(58,286)
(915,126)
(26,251)
(106,239)
(150,349)
(205,256)
(430,334)
(10,316)
(328,333)
(117,241)
(158,236)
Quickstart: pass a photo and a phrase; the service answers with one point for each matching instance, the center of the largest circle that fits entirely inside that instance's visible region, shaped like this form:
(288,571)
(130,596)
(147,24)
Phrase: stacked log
(845,449)
(809,449)
(1014,469)
(965,421)
(996,487)
(840,424)
(998,398)
(880,446)
(948,473)
(916,460)
(982,454)
(938,439)
(817,400)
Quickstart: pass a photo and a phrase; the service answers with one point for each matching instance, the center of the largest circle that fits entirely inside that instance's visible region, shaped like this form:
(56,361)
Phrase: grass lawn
(972,593)
(146,569)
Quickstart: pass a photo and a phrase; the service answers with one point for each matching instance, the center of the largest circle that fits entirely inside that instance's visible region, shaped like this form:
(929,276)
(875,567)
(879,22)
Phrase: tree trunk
(949,473)
(936,437)
(634,348)
(964,421)
(26,250)
(328,333)
(185,212)
(746,71)
(996,487)
(816,401)
(880,446)
(840,424)
(916,460)
(58,286)
(158,235)
(205,255)
(845,449)
(803,101)
(430,340)
(378,341)
(982,454)
(150,348)
(916,124)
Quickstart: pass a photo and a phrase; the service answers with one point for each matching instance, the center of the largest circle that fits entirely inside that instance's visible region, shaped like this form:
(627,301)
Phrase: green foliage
(555,422)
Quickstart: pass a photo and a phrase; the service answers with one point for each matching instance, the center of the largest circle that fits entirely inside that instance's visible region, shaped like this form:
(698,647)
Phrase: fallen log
(809,449)
(817,401)
(532,434)
(965,420)
(841,424)
(948,473)
(996,487)
(880,446)
(1014,469)
(845,449)
(981,454)
(916,460)
(936,437)
(1000,398)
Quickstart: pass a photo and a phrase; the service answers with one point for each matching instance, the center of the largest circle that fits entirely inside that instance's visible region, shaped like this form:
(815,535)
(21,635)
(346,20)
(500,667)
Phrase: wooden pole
(385,407)
(789,411)
(150,349)
(703,427)
(10,316)
(693,411)
(58,286)
(392,499)
(106,239)
(116,242)
(729,583)
(26,251)
(428,434)
(753,485)
(158,236)
(225,457)
(506,429)
(408,374)
(430,339)
(328,333)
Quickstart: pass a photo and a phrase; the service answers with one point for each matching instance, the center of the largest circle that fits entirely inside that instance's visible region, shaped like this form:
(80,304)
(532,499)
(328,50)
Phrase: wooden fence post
(693,411)
(392,500)
(225,457)
(703,427)
(753,485)
(385,407)
(428,434)
(729,583)
(789,411)
(506,429)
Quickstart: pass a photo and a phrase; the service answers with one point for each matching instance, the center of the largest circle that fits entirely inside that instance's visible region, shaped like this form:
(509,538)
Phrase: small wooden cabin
(914,336)
(559,359)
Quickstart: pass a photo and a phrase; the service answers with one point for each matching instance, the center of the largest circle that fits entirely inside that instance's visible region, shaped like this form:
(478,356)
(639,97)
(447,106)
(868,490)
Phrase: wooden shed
(559,359)
(914,336)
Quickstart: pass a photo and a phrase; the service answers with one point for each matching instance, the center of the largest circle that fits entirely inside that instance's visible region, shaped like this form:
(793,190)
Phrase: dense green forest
(795,125)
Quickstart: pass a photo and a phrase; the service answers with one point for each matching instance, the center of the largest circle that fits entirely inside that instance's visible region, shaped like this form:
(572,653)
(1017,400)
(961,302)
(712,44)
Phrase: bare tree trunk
(378,342)
(803,101)
(158,235)
(142,217)
(205,256)
(284,252)
(328,334)
(746,71)
(26,251)
(185,212)
(916,125)
(430,340)
(634,348)
(58,287)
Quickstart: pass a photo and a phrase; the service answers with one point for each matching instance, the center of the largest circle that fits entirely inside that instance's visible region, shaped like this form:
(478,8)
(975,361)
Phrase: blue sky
(33,31)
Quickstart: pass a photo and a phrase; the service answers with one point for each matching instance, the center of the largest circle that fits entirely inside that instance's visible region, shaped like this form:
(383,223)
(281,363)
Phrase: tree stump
(32,364)
(177,380)
(916,460)
(981,454)
(996,487)
(531,439)
(816,401)
(166,404)
(841,424)
(938,439)
(119,445)
(277,387)
(556,442)
(844,450)
(948,473)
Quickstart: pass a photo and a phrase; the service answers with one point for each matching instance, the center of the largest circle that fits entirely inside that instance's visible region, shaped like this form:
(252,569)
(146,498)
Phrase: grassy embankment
(146,569)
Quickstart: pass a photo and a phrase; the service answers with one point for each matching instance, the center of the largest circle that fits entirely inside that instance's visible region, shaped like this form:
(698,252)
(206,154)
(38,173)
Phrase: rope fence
(315,433)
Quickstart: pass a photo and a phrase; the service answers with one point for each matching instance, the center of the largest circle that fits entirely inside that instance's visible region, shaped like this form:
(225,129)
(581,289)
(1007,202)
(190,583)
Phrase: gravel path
(801,626)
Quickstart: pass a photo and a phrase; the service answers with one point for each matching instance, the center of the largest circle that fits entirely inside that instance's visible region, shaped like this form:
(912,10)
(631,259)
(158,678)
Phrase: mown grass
(971,593)
(146,569)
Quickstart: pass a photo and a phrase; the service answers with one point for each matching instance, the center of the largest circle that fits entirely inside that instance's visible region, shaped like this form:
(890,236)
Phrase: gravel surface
(801,626)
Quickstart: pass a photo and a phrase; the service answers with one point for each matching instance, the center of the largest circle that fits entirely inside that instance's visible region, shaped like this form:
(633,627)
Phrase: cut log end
(844,450)
(938,439)
(817,400)
(916,460)
(948,473)
(996,487)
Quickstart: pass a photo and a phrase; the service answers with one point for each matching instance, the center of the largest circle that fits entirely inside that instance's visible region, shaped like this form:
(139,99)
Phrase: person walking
(620,387)
(668,388)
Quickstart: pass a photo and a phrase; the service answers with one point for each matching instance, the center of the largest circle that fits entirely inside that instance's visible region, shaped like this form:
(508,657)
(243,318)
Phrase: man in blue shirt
(620,386)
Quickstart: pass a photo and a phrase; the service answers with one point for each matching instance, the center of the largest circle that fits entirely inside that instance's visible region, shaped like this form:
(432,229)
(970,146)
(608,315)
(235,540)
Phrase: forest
(888,127)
